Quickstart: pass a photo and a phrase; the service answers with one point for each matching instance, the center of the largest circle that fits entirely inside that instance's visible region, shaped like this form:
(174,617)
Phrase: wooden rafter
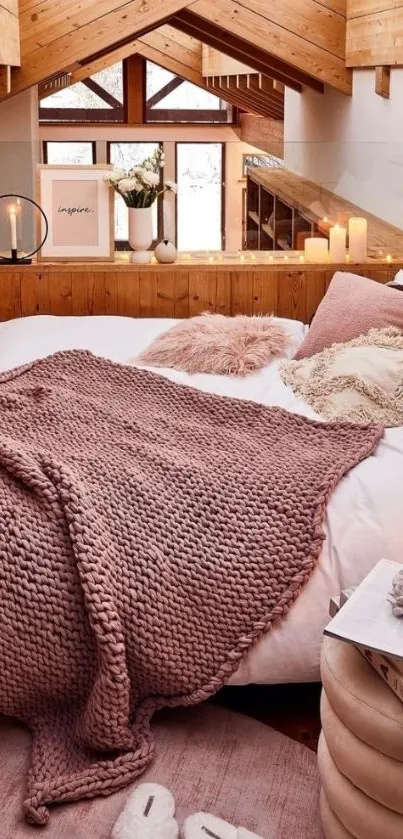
(307,37)
(99,22)
(9,33)
(243,51)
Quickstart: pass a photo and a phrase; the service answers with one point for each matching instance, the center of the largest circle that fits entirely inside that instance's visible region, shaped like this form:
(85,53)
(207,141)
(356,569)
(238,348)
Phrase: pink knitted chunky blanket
(149,534)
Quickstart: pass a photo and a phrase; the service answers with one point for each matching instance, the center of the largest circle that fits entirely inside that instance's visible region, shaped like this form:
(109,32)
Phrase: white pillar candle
(316,250)
(13,228)
(337,243)
(357,239)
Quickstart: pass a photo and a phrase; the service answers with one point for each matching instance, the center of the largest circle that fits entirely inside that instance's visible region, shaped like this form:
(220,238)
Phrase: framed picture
(78,204)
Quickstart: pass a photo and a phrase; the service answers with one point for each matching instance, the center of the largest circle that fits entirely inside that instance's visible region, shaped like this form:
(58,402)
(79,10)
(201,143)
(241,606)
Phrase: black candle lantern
(14,259)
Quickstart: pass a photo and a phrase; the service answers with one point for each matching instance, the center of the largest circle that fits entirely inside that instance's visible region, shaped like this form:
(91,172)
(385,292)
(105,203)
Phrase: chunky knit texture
(149,534)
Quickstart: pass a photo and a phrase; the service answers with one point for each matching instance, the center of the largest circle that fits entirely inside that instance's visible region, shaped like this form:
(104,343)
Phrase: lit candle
(357,239)
(13,227)
(389,258)
(337,243)
(316,250)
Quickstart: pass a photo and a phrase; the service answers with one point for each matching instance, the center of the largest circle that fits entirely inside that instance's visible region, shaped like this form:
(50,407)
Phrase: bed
(363,521)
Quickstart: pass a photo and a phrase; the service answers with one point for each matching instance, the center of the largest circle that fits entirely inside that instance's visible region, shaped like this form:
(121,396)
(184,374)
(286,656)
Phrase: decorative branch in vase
(139,188)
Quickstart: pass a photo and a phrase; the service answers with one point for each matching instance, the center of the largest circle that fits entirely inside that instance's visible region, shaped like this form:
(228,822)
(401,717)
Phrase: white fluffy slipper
(148,814)
(206,826)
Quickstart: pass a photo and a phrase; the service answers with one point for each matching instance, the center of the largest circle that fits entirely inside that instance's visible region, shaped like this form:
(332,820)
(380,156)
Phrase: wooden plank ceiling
(293,42)
(374,33)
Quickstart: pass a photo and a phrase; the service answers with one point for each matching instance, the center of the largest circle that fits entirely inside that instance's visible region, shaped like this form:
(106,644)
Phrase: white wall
(350,145)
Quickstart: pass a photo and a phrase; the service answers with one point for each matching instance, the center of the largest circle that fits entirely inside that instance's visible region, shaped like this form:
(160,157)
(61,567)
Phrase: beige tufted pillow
(360,381)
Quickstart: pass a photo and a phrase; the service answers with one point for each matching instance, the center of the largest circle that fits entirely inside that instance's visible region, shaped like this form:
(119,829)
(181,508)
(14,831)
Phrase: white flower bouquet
(141,186)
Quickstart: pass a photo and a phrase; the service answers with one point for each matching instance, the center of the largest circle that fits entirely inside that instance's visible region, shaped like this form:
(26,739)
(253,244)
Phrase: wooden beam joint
(382,81)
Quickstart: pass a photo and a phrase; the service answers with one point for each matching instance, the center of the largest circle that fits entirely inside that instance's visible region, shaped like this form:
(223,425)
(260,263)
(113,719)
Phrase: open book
(366,618)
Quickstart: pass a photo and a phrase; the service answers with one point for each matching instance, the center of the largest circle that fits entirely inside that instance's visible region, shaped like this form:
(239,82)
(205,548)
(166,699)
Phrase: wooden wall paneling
(128,290)
(82,292)
(265,292)
(35,295)
(292,295)
(242,302)
(173,294)
(210,291)
(304,35)
(315,291)
(60,292)
(10,295)
(148,299)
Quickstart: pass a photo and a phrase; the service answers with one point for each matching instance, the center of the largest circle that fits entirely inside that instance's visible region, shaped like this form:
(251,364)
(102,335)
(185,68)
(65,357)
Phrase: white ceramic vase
(140,233)
(165,252)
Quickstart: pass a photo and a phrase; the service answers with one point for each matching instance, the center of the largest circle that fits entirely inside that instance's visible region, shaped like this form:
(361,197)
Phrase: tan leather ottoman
(360,752)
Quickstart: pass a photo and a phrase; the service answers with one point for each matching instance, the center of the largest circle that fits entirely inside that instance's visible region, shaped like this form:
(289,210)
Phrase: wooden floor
(291,709)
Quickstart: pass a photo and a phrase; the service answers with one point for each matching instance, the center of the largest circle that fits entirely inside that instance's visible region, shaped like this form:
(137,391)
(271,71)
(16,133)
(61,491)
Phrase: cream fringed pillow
(360,381)
(218,344)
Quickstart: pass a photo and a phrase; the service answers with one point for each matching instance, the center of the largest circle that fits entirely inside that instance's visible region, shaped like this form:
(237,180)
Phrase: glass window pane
(79,98)
(69,153)
(199,175)
(127,155)
(186,97)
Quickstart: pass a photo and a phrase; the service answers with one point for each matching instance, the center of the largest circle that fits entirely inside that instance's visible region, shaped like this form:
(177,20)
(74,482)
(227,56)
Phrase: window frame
(189,112)
(223,184)
(123,244)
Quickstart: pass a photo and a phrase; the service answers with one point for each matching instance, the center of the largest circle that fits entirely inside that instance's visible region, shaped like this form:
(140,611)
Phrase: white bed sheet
(364,516)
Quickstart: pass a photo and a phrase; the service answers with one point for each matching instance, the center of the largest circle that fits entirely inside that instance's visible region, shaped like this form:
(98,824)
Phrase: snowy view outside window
(79,96)
(70,153)
(199,176)
(185,97)
(127,155)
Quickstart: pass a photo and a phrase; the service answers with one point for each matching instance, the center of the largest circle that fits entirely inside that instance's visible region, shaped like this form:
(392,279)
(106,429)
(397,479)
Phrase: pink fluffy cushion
(352,306)
(218,344)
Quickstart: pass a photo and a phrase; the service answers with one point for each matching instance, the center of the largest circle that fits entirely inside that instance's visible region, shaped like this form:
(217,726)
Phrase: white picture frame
(79,205)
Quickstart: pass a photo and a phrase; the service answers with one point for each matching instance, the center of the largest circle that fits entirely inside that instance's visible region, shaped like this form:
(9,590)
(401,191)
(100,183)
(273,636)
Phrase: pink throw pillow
(351,307)
(218,344)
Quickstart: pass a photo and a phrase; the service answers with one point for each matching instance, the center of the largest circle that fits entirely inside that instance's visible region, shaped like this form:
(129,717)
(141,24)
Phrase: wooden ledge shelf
(298,206)
(227,285)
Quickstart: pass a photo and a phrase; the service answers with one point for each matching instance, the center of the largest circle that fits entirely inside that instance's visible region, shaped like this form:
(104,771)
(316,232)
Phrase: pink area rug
(212,759)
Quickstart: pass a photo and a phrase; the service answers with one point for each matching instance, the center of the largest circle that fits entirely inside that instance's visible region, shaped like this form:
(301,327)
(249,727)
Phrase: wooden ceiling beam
(258,97)
(134,18)
(304,36)
(227,84)
(252,83)
(242,51)
(212,84)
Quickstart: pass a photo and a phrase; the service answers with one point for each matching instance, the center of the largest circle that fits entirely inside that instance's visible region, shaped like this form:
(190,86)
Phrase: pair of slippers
(149,813)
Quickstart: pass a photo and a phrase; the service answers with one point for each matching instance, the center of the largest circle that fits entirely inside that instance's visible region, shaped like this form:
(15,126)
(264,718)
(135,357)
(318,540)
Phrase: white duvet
(364,516)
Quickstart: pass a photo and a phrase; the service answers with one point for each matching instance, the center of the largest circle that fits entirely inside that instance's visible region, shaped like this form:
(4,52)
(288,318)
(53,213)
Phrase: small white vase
(140,233)
(165,252)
